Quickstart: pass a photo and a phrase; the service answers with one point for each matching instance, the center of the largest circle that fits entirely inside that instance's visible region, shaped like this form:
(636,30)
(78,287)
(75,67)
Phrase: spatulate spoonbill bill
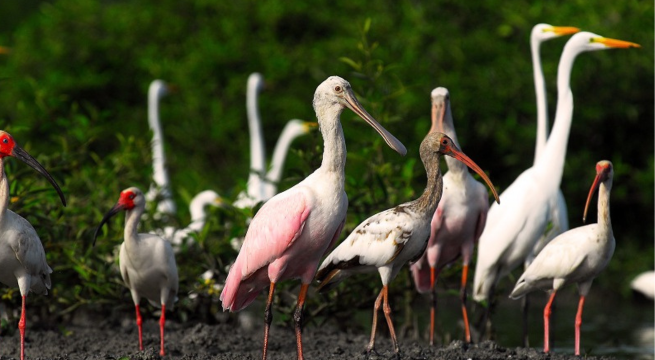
(147,262)
(293,230)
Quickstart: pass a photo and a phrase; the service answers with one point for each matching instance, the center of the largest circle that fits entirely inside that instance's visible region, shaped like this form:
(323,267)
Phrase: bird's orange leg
(547,322)
(162,321)
(297,317)
(433,307)
(21,328)
(139,321)
(376,307)
(578,322)
(268,318)
(387,314)
(467,330)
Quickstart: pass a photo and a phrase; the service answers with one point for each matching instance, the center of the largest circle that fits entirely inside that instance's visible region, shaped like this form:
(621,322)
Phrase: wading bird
(388,240)
(22,258)
(513,229)
(576,256)
(198,217)
(147,262)
(458,221)
(293,230)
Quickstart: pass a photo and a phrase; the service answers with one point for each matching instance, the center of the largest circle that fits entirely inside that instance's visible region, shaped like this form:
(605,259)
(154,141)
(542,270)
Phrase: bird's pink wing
(275,227)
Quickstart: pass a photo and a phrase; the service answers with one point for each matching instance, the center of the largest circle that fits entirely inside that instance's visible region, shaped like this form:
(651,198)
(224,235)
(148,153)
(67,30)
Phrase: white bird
(198,218)
(576,256)
(22,258)
(160,191)
(458,221)
(388,240)
(645,284)
(513,229)
(147,262)
(292,231)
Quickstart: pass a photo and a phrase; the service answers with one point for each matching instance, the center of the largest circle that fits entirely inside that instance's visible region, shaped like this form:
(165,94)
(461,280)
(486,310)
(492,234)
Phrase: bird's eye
(337,88)
(444,142)
(131,197)
(5,140)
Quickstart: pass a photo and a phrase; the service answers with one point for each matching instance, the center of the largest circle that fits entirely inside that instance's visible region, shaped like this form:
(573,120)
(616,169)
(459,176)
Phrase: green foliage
(74,95)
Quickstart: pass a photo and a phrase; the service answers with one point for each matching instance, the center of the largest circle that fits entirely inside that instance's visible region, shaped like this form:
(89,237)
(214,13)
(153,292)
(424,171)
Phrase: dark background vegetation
(73,93)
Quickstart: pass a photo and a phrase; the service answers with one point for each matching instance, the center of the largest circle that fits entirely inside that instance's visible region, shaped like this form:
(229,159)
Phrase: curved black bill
(115,210)
(23,156)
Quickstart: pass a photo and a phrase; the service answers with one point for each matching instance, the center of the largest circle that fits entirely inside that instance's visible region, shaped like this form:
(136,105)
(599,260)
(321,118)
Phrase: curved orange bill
(614,43)
(353,104)
(459,155)
(565,30)
(594,186)
(438,114)
(115,210)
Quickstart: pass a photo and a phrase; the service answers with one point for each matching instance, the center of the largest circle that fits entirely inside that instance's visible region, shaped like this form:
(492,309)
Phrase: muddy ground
(110,339)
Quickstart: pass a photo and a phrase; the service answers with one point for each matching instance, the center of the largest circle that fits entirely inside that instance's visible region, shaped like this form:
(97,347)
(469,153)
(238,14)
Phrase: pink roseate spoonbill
(644,283)
(22,258)
(458,221)
(513,229)
(292,231)
(292,130)
(576,256)
(558,215)
(160,191)
(147,262)
(388,240)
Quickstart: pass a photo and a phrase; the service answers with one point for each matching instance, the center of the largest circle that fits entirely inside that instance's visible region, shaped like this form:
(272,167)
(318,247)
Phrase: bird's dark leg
(387,314)
(462,294)
(578,322)
(21,328)
(547,322)
(297,318)
(268,318)
(139,321)
(525,304)
(162,321)
(433,305)
(376,307)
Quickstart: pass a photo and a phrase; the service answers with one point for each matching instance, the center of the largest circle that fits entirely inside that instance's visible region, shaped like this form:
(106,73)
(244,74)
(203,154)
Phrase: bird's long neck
(334,143)
(428,201)
(552,158)
(279,156)
(454,166)
(158,158)
(198,215)
(257,150)
(4,190)
(542,102)
(604,220)
(132,218)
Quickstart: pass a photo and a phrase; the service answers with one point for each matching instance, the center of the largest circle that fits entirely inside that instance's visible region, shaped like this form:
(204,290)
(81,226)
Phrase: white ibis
(292,231)
(160,191)
(198,217)
(513,229)
(388,240)
(576,256)
(458,221)
(147,262)
(22,258)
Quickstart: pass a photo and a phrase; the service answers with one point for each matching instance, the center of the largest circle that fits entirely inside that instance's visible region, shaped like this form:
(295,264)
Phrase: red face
(7,144)
(127,199)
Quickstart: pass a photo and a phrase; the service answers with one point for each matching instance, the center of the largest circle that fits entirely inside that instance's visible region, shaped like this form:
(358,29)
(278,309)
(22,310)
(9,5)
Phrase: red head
(7,144)
(130,198)
(604,174)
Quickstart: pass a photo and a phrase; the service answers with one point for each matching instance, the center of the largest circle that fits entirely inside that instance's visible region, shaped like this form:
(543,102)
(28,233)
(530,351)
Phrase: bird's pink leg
(433,307)
(376,307)
(268,317)
(578,322)
(297,317)
(467,330)
(21,328)
(139,321)
(162,321)
(547,322)
(387,314)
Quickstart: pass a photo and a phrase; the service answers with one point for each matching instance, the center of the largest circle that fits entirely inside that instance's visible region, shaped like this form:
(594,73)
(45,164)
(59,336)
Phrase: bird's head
(441,143)
(129,199)
(256,82)
(308,126)
(604,174)
(9,147)
(159,88)
(543,32)
(335,94)
(586,41)
(440,102)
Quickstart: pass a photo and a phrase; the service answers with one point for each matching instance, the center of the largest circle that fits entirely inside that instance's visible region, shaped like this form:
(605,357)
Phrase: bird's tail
(239,292)
(520,290)
(421,275)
